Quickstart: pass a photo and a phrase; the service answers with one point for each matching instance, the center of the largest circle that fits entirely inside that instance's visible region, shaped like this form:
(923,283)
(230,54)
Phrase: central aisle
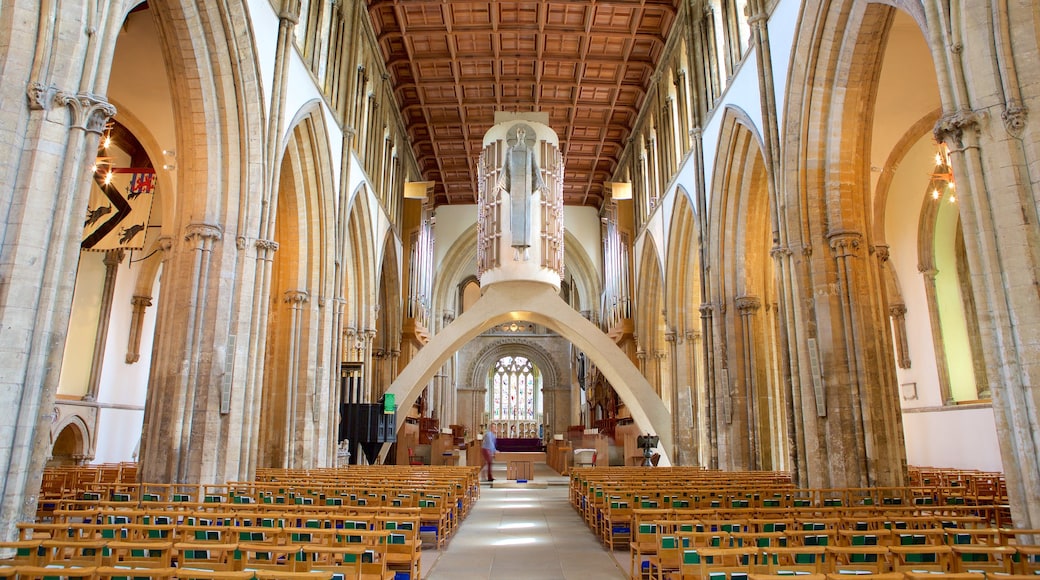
(522,534)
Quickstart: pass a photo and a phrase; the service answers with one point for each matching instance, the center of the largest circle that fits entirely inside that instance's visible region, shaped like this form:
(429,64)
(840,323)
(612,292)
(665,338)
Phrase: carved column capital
(165,244)
(707,309)
(747,305)
(671,336)
(139,301)
(267,245)
(290,12)
(882,252)
(779,251)
(114,257)
(951,126)
(41,97)
(897,310)
(202,235)
(845,243)
(296,297)
(89,112)
(1014,117)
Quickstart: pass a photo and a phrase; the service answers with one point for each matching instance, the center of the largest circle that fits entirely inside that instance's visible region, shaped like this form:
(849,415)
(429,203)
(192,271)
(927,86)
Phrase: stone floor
(524,533)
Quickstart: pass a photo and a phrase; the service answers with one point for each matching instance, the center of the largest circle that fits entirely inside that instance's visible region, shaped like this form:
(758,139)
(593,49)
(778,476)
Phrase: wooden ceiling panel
(434,69)
(421,16)
(586,63)
(471,15)
(478,44)
(567,16)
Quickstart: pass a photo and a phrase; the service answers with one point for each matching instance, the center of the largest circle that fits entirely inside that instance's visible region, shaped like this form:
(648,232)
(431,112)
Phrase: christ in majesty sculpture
(520,178)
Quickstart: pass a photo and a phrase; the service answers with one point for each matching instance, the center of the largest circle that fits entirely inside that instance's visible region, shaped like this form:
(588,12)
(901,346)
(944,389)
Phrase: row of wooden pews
(362,522)
(685,522)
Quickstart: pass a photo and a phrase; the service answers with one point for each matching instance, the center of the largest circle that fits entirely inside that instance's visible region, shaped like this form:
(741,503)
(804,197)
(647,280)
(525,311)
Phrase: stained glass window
(514,385)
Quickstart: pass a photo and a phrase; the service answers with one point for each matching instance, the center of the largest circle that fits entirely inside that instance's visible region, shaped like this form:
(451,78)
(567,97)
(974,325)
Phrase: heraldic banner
(120,205)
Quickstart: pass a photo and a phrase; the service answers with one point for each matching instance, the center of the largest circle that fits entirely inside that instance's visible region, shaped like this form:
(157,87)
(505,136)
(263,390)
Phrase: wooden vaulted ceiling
(587,63)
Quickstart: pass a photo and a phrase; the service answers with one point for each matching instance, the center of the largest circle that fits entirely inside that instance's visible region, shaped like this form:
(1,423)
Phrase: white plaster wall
(902,216)
(119,435)
(583,223)
(83,322)
(452,222)
(962,438)
(783,24)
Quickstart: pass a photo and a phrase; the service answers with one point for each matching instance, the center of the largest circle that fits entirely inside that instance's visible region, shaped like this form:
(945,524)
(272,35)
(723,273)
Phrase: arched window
(514,389)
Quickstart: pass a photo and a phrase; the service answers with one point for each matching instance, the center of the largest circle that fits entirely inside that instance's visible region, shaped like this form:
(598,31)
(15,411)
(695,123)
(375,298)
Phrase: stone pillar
(296,299)
(112,260)
(366,362)
(747,306)
(133,344)
(48,150)
(711,402)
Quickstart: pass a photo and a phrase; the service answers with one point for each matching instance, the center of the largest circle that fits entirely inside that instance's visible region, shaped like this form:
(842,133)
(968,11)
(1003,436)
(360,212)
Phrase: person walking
(488,449)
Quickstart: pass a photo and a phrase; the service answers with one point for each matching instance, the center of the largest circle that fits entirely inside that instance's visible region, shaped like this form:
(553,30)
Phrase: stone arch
(70,443)
(216,98)
(749,410)
(847,421)
(584,273)
(553,377)
(302,273)
(478,368)
(386,343)
(360,273)
(539,303)
(682,299)
(459,264)
(650,321)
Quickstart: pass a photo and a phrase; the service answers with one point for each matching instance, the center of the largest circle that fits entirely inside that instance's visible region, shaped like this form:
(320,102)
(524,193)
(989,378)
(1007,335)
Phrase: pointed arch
(749,410)
(302,272)
(650,322)
(848,426)
(540,304)
(682,299)
(361,259)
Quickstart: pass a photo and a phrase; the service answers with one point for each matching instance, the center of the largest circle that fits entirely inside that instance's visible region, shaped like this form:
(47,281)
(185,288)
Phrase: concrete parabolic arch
(539,303)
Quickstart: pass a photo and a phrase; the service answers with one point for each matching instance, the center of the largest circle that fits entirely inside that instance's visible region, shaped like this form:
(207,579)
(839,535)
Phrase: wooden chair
(113,573)
(667,557)
(141,554)
(793,560)
(944,576)
(642,547)
(918,557)
(858,559)
(402,552)
(203,574)
(341,560)
(205,555)
(883,576)
(280,557)
(286,575)
(982,559)
(722,563)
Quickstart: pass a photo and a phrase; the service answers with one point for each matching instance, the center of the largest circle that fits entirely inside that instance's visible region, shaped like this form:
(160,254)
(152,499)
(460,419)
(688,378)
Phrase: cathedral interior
(785,235)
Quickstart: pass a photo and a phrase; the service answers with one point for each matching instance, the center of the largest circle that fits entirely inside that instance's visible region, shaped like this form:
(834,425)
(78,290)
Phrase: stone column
(133,344)
(711,403)
(746,307)
(366,362)
(112,260)
(42,203)
(296,299)
(939,345)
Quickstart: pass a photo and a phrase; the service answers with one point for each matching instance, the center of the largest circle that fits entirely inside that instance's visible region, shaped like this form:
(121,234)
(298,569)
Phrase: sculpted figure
(520,178)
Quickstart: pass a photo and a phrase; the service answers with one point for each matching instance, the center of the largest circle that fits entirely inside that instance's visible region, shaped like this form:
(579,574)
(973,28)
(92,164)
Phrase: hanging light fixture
(941,180)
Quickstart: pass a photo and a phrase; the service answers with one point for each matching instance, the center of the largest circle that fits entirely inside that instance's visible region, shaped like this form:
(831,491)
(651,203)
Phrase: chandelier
(941,182)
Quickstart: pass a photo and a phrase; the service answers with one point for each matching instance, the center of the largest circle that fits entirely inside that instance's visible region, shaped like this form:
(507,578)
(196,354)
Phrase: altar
(520,464)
